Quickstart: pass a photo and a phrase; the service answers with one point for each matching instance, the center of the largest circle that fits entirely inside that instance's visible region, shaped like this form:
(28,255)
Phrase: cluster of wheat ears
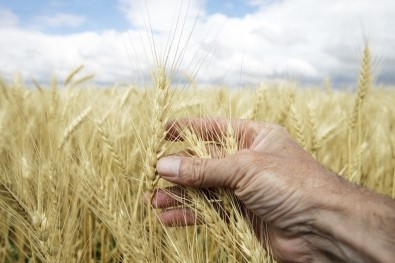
(76,160)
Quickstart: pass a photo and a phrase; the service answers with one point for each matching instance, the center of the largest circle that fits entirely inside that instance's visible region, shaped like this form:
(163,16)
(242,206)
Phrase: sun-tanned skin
(312,214)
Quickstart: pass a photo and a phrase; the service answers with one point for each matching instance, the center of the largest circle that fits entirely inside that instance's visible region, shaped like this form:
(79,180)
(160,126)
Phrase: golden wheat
(74,164)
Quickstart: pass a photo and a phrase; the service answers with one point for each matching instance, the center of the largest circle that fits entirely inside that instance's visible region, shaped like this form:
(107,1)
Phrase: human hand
(291,193)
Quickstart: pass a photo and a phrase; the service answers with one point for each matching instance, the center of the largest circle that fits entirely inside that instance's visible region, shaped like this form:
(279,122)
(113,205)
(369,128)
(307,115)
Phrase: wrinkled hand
(300,201)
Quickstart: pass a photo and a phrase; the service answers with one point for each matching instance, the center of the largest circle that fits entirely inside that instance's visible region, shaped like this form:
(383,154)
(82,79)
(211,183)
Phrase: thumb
(201,172)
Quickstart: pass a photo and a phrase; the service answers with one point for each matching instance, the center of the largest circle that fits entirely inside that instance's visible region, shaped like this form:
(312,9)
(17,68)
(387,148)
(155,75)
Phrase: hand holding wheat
(295,204)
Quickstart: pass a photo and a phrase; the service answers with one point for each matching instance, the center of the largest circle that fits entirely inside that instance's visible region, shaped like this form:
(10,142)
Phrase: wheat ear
(159,116)
(81,80)
(155,146)
(160,110)
(312,122)
(106,139)
(364,83)
(72,74)
(298,127)
(73,126)
(288,101)
(126,96)
(54,97)
(259,105)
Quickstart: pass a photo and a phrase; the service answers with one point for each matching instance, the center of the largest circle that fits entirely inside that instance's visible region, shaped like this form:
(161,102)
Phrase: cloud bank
(307,40)
(59,20)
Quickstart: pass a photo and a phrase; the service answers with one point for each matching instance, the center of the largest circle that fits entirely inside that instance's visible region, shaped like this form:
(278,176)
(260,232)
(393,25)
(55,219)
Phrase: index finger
(215,129)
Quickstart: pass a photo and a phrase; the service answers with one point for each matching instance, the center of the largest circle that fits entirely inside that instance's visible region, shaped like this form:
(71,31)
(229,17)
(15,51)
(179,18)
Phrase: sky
(214,42)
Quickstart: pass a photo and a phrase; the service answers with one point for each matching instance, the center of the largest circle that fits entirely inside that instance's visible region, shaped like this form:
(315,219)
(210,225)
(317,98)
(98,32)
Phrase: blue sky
(93,11)
(233,42)
(102,15)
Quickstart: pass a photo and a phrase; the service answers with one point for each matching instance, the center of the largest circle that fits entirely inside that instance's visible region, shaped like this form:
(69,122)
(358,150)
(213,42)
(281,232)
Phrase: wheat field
(76,160)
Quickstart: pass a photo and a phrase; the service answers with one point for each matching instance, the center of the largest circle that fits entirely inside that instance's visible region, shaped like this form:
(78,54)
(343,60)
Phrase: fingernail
(168,166)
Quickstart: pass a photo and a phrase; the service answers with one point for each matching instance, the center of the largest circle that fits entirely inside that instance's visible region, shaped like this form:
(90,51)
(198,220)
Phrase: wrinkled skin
(297,206)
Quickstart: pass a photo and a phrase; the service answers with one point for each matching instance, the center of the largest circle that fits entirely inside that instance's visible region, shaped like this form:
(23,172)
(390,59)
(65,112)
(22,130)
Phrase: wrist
(361,223)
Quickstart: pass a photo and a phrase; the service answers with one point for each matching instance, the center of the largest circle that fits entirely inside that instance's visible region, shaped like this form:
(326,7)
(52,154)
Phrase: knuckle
(273,128)
(280,129)
(244,163)
(195,171)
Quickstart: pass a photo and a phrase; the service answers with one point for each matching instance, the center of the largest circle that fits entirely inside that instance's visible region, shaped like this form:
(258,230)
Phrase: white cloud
(309,39)
(305,39)
(162,13)
(58,20)
(37,55)
(7,18)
